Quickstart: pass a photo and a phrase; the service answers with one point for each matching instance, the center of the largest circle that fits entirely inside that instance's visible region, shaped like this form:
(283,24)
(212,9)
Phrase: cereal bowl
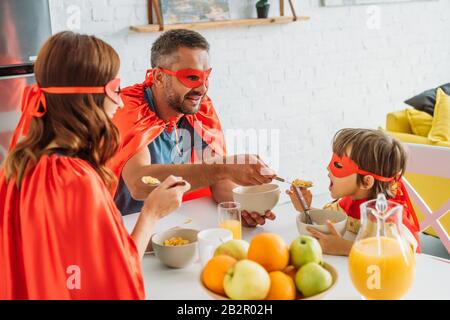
(257,198)
(176,256)
(337,218)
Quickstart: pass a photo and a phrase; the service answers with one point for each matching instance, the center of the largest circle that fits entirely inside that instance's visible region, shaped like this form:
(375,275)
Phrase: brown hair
(169,42)
(373,151)
(77,123)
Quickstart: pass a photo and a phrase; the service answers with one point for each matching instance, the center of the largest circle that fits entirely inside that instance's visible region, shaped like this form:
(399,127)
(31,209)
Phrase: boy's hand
(332,243)
(306,194)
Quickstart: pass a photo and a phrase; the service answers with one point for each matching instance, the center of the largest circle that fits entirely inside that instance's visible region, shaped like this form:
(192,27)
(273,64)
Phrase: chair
(429,168)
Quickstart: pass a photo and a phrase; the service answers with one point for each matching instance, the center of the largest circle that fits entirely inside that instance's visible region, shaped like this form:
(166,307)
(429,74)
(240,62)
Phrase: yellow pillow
(419,121)
(440,128)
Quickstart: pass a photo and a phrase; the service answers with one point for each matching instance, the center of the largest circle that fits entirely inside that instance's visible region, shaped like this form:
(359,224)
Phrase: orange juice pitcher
(381,262)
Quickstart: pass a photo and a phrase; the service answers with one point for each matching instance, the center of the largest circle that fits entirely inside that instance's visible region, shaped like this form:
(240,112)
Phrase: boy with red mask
(364,163)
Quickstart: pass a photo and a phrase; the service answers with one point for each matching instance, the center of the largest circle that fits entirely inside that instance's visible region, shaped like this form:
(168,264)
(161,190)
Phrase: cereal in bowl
(175,241)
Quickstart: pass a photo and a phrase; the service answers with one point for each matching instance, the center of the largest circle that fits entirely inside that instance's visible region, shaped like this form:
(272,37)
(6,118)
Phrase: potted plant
(262,8)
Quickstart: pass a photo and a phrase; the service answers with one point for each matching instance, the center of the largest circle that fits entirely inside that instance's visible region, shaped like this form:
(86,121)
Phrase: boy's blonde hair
(373,151)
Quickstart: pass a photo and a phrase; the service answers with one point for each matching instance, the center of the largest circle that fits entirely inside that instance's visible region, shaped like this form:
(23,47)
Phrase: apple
(312,279)
(305,249)
(235,248)
(246,280)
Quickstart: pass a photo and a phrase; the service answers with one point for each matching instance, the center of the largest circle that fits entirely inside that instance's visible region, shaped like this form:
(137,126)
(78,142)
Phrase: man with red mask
(169,126)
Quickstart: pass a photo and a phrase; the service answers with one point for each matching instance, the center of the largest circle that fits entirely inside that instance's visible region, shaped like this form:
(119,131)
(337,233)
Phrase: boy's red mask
(190,78)
(342,167)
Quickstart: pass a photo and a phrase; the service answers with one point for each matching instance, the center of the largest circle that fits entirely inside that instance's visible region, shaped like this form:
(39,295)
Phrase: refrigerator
(24,27)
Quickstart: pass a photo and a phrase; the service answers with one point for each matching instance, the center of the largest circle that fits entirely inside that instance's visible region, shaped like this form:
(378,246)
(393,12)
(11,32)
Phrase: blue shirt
(163,150)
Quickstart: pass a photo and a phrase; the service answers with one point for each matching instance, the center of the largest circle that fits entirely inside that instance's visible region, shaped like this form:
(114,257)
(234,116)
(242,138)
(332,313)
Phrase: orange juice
(234,226)
(381,272)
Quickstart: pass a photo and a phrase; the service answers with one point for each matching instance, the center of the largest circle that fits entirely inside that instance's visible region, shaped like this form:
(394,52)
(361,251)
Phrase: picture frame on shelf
(192,11)
(337,3)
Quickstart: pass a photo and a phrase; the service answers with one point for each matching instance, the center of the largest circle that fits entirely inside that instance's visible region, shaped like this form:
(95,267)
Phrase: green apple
(312,279)
(305,249)
(235,248)
(246,280)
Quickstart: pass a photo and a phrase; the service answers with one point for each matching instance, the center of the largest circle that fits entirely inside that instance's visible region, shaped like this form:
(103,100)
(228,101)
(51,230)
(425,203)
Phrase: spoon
(302,200)
(305,206)
(154,182)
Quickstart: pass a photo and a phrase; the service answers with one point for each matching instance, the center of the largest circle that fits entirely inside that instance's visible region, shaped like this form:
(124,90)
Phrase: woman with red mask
(61,235)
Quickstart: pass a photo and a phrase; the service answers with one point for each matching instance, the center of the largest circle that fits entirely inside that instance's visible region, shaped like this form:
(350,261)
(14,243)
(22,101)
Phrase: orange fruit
(270,251)
(214,272)
(282,287)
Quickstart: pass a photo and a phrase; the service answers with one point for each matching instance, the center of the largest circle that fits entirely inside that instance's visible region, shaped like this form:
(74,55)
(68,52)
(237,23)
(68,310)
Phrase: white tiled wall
(346,67)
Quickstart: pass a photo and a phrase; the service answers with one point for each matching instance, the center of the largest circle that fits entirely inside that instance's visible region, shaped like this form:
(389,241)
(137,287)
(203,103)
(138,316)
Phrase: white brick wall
(306,79)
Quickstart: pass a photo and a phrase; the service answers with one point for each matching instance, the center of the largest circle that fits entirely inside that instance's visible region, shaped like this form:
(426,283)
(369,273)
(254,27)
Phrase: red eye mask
(342,167)
(190,78)
(35,105)
(112,90)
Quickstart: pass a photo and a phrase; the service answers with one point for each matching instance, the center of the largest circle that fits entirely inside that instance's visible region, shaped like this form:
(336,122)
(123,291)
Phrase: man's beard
(176,102)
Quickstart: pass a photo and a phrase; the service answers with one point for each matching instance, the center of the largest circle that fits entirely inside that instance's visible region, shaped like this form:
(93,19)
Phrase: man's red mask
(342,167)
(190,78)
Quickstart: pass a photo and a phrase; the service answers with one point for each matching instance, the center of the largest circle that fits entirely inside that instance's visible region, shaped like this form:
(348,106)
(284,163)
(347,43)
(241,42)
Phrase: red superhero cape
(61,236)
(139,126)
(409,218)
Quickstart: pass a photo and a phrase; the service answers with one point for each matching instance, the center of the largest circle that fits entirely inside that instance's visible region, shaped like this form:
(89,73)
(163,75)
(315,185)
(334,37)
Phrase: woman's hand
(252,219)
(159,203)
(165,198)
(296,202)
(332,243)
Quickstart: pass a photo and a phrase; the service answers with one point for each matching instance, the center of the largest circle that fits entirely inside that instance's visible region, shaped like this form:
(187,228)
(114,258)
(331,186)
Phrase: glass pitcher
(381,261)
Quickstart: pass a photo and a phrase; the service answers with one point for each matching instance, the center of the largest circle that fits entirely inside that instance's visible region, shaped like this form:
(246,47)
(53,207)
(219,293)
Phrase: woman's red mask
(342,167)
(190,78)
(35,105)
(111,89)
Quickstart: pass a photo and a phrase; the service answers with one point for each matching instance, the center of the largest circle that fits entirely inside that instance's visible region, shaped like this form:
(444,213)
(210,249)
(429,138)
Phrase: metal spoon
(302,200)
(305,206)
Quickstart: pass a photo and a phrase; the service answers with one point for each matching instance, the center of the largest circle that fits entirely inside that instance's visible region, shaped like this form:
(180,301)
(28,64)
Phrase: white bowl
(257,198)
(176,256)
(319,296)
(319,216)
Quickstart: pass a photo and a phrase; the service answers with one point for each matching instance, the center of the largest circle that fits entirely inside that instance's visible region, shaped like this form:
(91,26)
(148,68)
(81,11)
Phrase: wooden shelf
(218,24)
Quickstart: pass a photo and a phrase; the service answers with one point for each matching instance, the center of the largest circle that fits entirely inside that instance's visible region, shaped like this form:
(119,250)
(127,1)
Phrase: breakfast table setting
(431,279)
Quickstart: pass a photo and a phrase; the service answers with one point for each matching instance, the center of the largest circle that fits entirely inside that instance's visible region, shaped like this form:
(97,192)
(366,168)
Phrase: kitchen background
(345,67)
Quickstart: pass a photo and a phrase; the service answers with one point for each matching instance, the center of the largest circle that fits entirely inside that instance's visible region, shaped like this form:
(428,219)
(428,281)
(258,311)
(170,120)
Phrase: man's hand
(332,243)
(252,219)
(247,170)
